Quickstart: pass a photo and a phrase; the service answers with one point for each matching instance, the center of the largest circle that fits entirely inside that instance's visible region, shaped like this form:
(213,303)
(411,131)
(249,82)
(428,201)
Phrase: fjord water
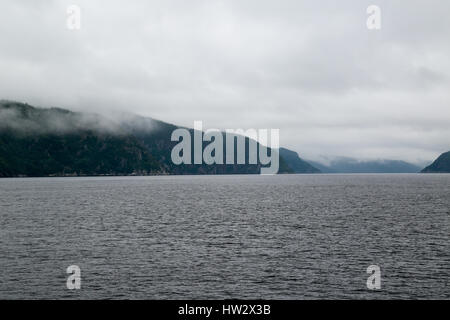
(271,237)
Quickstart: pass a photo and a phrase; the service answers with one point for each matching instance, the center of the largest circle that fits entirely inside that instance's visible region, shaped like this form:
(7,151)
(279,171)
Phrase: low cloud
(311,69)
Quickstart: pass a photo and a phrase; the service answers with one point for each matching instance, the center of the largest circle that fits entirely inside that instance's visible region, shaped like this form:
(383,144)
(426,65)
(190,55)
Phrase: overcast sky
(310,68)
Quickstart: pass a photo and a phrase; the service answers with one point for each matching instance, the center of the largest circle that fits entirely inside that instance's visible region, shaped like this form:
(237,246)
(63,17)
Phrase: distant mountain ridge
(349,165)
(440,165)
(58,142)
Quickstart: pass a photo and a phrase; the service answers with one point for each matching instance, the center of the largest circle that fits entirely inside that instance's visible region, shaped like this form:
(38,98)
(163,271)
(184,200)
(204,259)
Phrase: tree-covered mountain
(440,165)
(45,142)
(58,142)
(350,165)
(156,137)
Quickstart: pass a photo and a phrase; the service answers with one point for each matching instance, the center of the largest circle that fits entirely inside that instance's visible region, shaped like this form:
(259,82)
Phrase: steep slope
(440,165)
(156,136)
(297,164)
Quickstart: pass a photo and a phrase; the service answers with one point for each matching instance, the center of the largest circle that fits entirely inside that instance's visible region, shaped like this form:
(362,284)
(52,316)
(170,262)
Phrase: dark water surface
(281,237)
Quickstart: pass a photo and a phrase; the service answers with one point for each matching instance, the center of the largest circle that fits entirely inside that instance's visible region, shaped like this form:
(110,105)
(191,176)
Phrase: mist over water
(279,237)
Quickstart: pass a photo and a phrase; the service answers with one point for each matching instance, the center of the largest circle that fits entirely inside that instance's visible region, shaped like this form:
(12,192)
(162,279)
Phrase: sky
(312,69)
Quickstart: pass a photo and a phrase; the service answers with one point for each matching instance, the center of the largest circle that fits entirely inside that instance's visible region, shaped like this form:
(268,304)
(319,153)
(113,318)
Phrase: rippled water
(274,237)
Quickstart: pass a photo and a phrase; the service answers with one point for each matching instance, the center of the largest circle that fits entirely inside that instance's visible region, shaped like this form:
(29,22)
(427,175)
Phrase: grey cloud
(310,68)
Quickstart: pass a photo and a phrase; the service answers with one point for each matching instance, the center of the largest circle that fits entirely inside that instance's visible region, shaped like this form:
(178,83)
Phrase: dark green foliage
(156,136)
(81,153)
(57,142)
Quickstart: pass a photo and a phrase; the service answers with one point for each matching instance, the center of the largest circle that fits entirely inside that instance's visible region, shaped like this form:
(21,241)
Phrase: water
(215,237)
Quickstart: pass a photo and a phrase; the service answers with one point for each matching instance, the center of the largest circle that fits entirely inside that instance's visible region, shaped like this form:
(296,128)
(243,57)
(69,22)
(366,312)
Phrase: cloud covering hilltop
(311,69)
